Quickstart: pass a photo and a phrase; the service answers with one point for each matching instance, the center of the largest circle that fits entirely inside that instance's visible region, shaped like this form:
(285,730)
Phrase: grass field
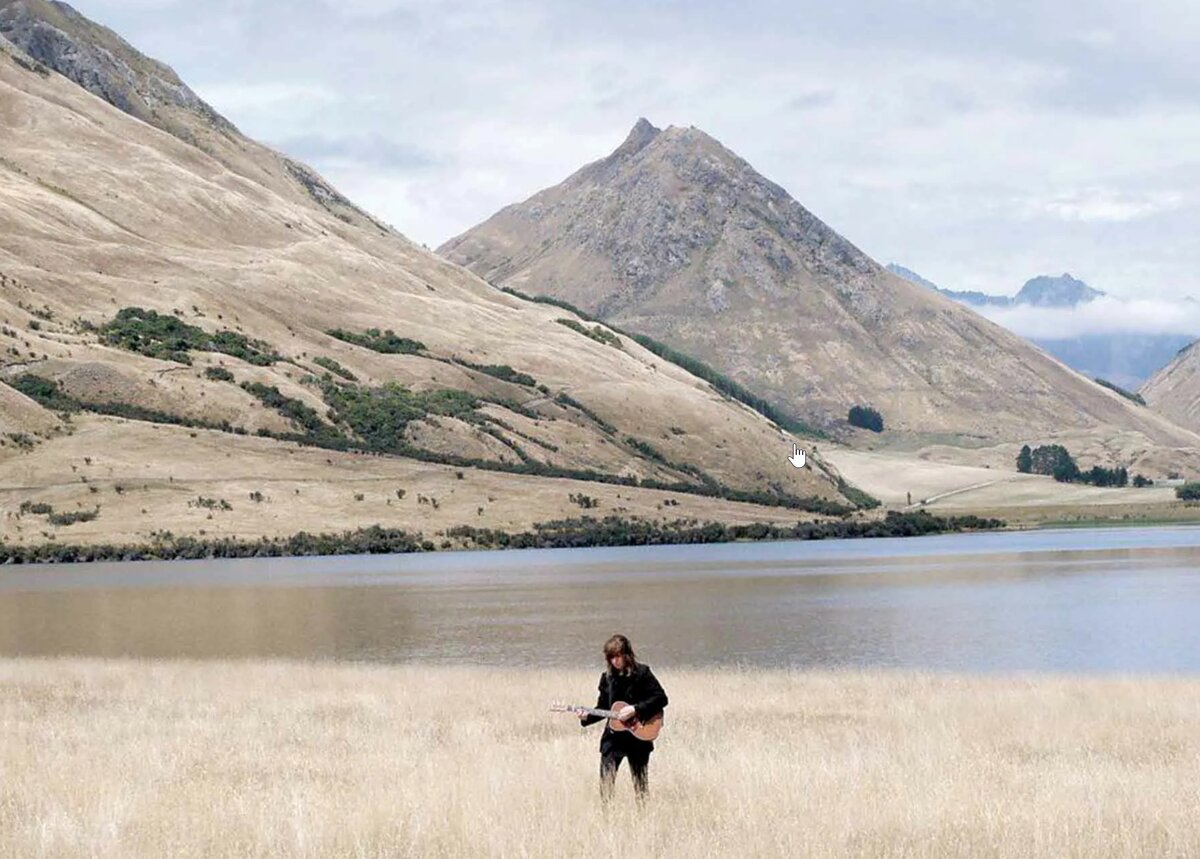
(130,758)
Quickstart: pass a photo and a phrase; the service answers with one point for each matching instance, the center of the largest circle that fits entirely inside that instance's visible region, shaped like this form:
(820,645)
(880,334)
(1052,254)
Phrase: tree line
(1056,461)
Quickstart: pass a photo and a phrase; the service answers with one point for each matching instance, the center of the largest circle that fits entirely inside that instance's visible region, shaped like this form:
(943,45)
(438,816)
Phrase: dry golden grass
(146,478)
(278,759)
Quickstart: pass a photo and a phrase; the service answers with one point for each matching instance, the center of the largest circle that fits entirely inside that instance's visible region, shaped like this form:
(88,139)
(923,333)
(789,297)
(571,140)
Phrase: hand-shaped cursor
(798,457)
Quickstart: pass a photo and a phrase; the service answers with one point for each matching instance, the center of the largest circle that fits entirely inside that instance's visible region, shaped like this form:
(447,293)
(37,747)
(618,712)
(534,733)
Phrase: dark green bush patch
(334,367)
(387,342)
(379,416)
(596,332)
(168,338)
(501,371)
(865,417)
(64,519)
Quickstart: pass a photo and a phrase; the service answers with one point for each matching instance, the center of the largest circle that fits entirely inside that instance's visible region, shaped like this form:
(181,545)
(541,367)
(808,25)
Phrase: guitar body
(647,730)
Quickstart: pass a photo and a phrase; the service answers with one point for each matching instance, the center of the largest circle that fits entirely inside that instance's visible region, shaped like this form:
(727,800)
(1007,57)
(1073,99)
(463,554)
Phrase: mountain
(57,37)
(1174,391)
(1041,291)
(975,299)
(1127,359)
(1061,291)
(675,237)
(199,336)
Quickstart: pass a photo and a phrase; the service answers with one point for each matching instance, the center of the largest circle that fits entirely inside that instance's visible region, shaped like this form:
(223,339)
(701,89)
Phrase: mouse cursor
(798,457)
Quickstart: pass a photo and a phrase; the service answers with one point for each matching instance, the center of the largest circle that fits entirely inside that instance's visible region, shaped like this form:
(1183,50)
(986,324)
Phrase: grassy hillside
(150,289)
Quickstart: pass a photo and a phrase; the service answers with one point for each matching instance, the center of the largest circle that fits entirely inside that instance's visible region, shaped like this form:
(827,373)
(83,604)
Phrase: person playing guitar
(626,680)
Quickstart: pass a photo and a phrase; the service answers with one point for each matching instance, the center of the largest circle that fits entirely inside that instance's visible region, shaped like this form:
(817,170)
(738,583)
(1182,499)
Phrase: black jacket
(639,688)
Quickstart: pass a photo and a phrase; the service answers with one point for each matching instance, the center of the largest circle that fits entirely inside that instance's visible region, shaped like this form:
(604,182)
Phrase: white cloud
(1104,315)
(1099,204)
(1097,38)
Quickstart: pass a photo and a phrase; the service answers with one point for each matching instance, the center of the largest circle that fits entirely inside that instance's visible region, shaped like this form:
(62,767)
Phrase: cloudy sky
(978,143)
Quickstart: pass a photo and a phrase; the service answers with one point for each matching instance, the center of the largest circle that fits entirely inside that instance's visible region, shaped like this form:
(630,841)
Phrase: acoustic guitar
(647,730)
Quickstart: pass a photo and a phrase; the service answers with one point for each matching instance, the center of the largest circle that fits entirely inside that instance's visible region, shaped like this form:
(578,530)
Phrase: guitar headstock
(559,707)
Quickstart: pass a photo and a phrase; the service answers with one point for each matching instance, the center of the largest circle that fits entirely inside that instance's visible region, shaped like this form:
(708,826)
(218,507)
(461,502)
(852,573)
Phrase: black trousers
(611,755)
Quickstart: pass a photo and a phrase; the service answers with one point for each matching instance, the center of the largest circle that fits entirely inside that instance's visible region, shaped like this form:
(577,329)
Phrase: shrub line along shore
(560,534)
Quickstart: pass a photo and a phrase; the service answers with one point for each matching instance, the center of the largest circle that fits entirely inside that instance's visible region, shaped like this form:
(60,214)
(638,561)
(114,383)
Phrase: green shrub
(210,503)
(503,372)
(387,342)
(1129,395)
(294,410)
(49,393)
(22,440)
(168,338)
(564,399)
(73,517)
(379,416)
(645,449)
(1188,492)
(1141,481)
(596,332)
(334,367)
(856,496)
(166,546)
(615,531)
(218,374)
(45,392)
(865,417)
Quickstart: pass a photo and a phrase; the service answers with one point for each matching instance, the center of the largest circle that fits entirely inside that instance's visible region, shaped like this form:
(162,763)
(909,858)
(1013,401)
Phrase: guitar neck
(592,711)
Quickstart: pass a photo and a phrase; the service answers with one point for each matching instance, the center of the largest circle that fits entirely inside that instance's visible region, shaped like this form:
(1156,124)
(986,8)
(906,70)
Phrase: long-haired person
(625,679)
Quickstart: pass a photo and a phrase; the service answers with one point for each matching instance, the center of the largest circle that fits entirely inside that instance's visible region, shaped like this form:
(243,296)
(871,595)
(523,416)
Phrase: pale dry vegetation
(278,759)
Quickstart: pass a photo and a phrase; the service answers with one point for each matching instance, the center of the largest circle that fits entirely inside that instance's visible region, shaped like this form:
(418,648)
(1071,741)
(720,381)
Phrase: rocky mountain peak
(669,199)
(640,135)
(59,38)
(1061,291)
(100,61)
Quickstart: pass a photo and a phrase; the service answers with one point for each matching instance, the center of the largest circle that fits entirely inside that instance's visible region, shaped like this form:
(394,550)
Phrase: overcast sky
(977,143)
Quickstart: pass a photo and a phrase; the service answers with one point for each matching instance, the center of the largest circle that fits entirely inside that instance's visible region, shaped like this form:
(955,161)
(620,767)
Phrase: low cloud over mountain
(1124,340)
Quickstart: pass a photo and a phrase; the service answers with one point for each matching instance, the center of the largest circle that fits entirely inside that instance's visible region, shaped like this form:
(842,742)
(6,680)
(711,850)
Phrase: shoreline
(584,532)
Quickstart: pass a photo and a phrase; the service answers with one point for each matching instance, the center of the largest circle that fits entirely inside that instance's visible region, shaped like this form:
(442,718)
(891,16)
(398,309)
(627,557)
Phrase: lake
(1113,600)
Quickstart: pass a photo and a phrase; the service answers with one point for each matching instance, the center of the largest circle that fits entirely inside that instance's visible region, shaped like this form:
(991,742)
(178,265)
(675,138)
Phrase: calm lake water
(1102,600)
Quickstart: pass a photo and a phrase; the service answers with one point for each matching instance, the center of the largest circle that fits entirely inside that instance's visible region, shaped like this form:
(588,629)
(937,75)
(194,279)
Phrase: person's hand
(627,713)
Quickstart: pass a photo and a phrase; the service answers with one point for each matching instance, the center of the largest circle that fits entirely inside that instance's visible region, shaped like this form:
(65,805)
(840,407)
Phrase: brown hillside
(1174,391)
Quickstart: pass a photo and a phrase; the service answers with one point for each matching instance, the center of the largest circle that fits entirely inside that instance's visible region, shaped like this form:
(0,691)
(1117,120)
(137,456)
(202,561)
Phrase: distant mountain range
(1041,291)
(1126,359)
